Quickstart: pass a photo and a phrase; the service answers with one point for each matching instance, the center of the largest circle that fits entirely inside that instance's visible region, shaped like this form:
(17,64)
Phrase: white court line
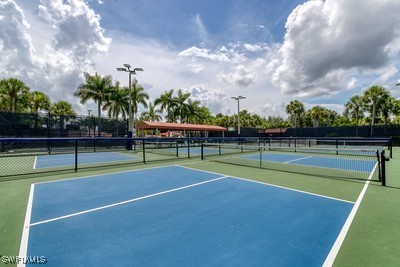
(127,201)
(278,186)
(298,159)
(340,239)
(23,250)
(34,163)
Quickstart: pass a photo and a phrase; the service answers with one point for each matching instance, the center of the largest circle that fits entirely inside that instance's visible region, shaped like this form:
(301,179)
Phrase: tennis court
(94,202)
(179,216)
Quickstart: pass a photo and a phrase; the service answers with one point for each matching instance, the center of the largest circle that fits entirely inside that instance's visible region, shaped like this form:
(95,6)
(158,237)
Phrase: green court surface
(372,240)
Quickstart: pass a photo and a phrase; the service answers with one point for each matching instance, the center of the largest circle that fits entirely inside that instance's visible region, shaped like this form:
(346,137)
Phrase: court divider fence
(24,156)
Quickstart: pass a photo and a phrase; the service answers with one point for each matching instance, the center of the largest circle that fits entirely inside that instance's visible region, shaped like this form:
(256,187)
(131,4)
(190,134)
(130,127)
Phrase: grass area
(373,239)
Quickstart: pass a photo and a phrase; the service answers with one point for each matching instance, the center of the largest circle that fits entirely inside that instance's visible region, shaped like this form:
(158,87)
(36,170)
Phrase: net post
(219,150)
(188,148)
(390,147)
(144,151)
(383,163)
(177,149)
(260,157)
(202,151)
(76,155)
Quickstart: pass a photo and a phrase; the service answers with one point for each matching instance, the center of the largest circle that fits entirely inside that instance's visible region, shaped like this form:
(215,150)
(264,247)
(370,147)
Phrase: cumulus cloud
(16,47)
(255,47)
(57,70)
(325,40)
(216,100)
(222,55)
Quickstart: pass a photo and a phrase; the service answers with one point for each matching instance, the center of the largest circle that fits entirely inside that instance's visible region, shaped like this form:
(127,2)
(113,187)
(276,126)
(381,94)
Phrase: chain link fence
(49,125)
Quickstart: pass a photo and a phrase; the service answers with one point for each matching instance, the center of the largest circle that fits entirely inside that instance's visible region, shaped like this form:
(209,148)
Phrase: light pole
(127,68)
(238,98)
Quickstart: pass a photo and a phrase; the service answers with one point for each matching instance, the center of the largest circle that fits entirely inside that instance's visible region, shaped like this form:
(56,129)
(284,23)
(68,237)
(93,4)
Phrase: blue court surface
(59,160)
(176,216)
(318,161)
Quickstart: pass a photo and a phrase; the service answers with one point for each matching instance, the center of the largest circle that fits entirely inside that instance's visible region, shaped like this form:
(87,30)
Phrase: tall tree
(371,100)
(295,109)
(354,108)
(139,96)
(192,110)
(318,114)
(96,88)
(166,102)
(152,114)
(39,101)
(181,105)
(16,90)
(62,108)
(387,106)
(117,103)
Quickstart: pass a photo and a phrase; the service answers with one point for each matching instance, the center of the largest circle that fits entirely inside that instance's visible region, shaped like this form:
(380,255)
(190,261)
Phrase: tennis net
(360,164)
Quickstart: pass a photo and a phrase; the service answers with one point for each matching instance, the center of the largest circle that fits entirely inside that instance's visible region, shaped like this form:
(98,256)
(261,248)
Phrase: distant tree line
(374,106)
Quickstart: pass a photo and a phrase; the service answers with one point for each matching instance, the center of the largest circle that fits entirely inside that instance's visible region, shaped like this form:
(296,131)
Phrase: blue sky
(177,21)
(271,51)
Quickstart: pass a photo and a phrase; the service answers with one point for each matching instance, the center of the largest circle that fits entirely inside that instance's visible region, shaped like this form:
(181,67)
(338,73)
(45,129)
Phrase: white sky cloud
(324,40)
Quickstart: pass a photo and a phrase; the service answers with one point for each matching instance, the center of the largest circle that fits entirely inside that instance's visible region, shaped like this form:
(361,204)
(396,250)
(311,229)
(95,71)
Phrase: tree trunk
(373,119)
(99,120)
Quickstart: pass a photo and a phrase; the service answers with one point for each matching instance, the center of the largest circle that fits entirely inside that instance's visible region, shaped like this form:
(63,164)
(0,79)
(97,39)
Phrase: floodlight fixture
(127,66)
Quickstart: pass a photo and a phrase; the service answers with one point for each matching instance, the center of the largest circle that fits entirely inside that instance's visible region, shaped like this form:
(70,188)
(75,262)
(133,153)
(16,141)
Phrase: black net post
(188,148)
(76,155)
(144,152)
(391,147)
(202,151)
(383,163)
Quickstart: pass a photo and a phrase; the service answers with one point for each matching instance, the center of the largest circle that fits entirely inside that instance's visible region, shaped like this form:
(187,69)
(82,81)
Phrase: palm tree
(62,108)
(192,110)
(388,107)
(166,102)
(318,114)
(16,90)
(180,101)
(139,96)
(371,99)
(152,114)
(96,88)
(354,108)
(295,109)
(118,102)
(39,101)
